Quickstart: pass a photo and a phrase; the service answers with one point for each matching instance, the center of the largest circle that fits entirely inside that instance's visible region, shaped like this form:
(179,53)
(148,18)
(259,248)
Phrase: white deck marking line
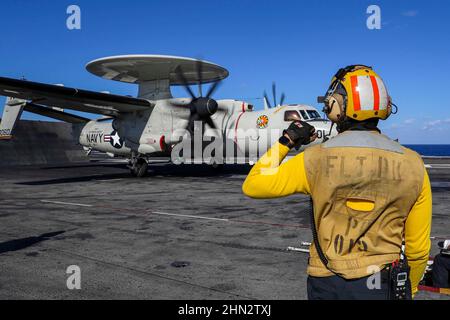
(68,203)
(156,212)
(188,216)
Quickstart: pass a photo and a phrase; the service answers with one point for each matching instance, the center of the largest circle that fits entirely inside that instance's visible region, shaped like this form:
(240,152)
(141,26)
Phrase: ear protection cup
(389,109)
(335,107)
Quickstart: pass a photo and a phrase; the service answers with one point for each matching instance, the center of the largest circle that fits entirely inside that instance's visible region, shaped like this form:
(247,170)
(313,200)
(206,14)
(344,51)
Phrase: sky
(299,44)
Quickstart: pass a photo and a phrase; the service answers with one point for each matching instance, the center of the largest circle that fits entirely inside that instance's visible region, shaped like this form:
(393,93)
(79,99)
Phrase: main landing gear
(138,166)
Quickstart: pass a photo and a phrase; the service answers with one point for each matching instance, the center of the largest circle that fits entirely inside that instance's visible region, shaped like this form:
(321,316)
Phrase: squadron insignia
(262,121)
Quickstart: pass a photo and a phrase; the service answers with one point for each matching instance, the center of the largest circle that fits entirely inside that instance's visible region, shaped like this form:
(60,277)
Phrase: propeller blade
(210,123)
(200,76)
(213,89)
(191,124)
(267,100)
(182,78)
(274,94)
(283,96)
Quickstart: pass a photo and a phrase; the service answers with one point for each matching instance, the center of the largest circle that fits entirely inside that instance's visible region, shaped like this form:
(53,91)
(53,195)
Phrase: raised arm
(269,179)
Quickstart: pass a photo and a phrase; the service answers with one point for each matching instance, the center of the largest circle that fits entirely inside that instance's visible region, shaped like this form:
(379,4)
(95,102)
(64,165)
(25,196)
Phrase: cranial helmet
(358,93)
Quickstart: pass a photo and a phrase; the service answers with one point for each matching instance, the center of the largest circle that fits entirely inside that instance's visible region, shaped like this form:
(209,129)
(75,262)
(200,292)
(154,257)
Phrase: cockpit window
(313,114)
(291,115)
(304,115)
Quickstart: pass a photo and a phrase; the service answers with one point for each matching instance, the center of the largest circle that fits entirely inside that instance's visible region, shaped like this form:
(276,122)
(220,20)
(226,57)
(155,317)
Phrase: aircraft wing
(71,98)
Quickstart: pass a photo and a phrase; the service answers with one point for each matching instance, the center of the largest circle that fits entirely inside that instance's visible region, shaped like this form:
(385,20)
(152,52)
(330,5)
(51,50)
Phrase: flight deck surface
(183,232)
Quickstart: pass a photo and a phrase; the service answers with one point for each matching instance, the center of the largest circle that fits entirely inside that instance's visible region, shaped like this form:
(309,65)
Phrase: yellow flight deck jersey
(369,194)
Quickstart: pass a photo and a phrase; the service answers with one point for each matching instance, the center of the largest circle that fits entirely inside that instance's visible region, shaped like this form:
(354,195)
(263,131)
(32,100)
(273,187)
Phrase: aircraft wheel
(140,168)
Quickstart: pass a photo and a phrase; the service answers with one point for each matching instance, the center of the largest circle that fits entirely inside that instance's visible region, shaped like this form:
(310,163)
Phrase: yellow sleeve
(269,179)
(417,234)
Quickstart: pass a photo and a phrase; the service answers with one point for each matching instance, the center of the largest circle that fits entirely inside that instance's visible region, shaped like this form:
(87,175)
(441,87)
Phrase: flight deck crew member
(370,194)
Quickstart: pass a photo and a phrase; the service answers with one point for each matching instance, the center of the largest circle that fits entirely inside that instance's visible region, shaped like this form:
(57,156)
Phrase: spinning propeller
(274,93)
(201,107)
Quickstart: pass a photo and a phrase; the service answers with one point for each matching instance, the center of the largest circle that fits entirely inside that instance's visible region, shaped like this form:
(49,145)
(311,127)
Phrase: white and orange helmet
(357,92)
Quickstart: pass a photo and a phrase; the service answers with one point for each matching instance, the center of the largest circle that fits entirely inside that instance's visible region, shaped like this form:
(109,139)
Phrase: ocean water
(437,150)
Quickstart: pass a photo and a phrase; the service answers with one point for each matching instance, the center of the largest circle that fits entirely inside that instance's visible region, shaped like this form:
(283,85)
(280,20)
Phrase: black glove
(299,132)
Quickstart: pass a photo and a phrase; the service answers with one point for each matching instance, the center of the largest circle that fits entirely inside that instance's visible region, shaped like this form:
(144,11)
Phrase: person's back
(363,185)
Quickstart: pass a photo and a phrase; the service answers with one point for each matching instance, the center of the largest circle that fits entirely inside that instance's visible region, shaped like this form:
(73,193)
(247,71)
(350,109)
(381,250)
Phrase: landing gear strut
(138,166)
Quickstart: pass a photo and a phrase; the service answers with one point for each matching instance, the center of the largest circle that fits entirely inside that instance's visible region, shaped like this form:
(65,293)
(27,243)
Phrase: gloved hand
(298,133)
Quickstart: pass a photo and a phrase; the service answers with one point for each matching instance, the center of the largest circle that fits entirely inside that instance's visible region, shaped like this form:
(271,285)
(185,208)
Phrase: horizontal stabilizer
(54,113)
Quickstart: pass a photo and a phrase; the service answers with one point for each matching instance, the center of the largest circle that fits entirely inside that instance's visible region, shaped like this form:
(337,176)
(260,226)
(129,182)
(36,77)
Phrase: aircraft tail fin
(11,114)
(266,105)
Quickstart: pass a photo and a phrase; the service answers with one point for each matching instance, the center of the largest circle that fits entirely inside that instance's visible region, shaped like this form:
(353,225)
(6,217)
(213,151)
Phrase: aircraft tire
(141,168)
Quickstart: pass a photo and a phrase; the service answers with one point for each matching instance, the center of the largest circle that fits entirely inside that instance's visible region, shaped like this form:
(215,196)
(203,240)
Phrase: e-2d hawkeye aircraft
(143,127)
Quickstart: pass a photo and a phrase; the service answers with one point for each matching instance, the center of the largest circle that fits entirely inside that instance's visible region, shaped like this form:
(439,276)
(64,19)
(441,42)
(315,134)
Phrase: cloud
(404,123)
(410,13)
(420,130)
(436,124)
(430,125)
